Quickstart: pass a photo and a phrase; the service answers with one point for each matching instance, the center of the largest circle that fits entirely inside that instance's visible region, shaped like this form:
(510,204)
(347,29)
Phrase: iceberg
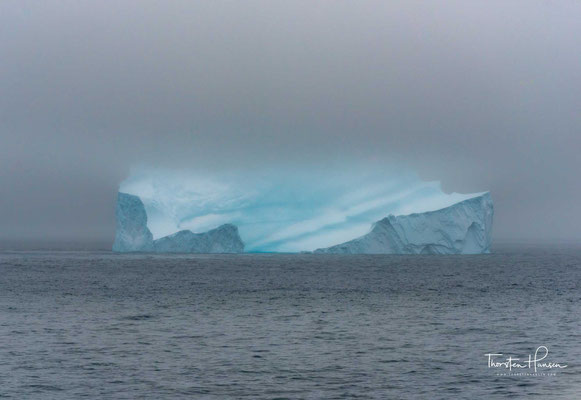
(297,210)
(463,228)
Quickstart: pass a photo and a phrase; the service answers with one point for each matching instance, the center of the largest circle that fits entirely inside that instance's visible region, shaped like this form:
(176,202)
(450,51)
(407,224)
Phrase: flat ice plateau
(289,211)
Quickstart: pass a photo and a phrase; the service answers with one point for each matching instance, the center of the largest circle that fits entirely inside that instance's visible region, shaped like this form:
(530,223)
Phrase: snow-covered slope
(463,228)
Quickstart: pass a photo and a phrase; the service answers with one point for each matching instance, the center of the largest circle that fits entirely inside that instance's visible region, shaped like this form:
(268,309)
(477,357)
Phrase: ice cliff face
(133,234)
(463,228)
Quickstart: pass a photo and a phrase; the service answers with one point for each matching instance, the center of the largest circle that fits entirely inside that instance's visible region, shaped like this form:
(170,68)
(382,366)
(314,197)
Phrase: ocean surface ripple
(266,326)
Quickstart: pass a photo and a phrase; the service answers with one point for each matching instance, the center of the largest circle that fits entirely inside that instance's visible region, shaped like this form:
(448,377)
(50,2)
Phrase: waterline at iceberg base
(350,213)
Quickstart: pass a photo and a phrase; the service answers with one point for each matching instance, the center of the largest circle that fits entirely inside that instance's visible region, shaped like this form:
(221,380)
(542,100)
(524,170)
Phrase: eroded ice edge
(288,211)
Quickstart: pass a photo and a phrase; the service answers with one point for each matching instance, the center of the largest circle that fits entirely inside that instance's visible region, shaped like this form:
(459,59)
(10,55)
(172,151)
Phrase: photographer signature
(533,362)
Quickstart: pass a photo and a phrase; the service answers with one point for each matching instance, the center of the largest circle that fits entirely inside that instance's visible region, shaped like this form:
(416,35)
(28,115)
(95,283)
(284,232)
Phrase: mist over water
(476,95)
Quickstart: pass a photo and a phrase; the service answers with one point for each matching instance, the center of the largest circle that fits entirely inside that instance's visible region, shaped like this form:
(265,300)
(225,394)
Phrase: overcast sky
(482,95)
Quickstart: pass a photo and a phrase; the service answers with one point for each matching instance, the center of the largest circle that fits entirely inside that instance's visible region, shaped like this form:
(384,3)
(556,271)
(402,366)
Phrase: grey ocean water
(107,326)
